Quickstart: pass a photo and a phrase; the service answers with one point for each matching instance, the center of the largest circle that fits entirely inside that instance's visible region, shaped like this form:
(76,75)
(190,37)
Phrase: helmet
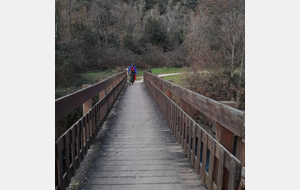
(132,64)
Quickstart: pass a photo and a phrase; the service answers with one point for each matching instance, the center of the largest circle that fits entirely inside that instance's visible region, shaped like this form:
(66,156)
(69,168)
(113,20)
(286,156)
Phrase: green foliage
(155,32)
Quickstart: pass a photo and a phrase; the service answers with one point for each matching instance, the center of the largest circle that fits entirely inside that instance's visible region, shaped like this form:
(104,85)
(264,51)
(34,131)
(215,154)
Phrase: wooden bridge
(136,137)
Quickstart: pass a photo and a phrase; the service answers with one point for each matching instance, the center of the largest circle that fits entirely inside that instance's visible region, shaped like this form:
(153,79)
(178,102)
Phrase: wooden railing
(217,166)
(72,146)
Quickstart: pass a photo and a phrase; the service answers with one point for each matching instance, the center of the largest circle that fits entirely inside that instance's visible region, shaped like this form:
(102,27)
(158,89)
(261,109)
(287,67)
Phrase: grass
(167,70)
(177,79)
(94,77)
(157,71)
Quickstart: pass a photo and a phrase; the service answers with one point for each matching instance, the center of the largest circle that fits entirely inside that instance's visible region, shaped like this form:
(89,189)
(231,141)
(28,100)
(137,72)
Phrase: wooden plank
(225,137)
(240,150)
(220,154)
(232,165)
(170,113)
(183,126)
(68,103)
(230,118)
(172,118)
(87,131)
(215,171)
(178,124)
(84,136)
(180,127)
(58,166)
(80,142)
(188,138)
(91,139)
(169,93)
(73,139)
(202,169)
(60,145)
(212,147)
(127,156)
(76,147)
(197,162)
(94,124)
(67,156)
(186,120)
(194,132)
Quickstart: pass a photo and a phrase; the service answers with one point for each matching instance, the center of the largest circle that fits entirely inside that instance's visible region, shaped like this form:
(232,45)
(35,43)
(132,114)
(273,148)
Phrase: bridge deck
(135,149)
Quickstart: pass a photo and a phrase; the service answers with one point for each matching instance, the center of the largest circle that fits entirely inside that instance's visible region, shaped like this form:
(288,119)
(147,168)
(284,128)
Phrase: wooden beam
(228,117)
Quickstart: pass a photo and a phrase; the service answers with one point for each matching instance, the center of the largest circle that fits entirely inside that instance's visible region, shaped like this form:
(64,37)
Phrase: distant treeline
(96,35)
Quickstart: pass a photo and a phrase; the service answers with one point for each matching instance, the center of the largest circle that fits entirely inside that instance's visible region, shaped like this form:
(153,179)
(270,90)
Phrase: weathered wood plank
(212,147)
(197,162)
(240,150)
(225,137)
(230,118)
(220,154)
(203,166)
(68,103)
(188,146)
(195,186)
(139,153)
(73,139)
(193,143)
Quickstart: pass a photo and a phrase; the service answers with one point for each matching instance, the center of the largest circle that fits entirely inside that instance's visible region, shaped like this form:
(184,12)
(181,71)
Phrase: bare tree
(216,43)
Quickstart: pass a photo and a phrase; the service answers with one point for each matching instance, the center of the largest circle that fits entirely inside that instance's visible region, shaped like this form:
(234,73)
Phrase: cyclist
(133,70)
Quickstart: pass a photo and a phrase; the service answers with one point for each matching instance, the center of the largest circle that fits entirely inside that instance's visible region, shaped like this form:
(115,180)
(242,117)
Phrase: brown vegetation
(216,46)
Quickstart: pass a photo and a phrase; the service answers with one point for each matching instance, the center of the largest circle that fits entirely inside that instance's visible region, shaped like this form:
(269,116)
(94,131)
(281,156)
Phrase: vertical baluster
(220,153)
(67,156)
(212,147)
(197,162)
(73,139)
(202,168)
(193,144)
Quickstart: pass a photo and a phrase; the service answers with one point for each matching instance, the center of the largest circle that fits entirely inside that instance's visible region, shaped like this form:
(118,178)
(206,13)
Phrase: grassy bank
(177,79)
(157,71)
(94,77)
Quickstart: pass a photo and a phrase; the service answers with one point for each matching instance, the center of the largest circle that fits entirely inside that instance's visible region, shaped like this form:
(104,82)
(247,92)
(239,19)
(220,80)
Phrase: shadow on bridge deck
(135,149)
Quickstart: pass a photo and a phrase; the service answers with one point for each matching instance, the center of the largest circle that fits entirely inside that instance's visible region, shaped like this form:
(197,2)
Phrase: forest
(206,36)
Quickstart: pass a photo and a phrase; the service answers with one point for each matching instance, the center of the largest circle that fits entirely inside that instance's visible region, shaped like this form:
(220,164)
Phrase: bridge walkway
(135,149)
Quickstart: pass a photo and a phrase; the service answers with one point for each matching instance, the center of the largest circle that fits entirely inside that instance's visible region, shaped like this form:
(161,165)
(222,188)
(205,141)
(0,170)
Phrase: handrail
(228,117)
(68,103)
(72,146)
(217,167)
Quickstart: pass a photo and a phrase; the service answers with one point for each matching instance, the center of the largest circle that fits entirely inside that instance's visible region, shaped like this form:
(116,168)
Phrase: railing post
(169,94)
(88,104)
(160,87)
(185,106)
(102,93)
(225,137)
(86,107)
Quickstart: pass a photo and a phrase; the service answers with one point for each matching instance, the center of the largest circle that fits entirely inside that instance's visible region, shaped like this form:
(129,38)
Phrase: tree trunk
(240,78)
(232,68)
